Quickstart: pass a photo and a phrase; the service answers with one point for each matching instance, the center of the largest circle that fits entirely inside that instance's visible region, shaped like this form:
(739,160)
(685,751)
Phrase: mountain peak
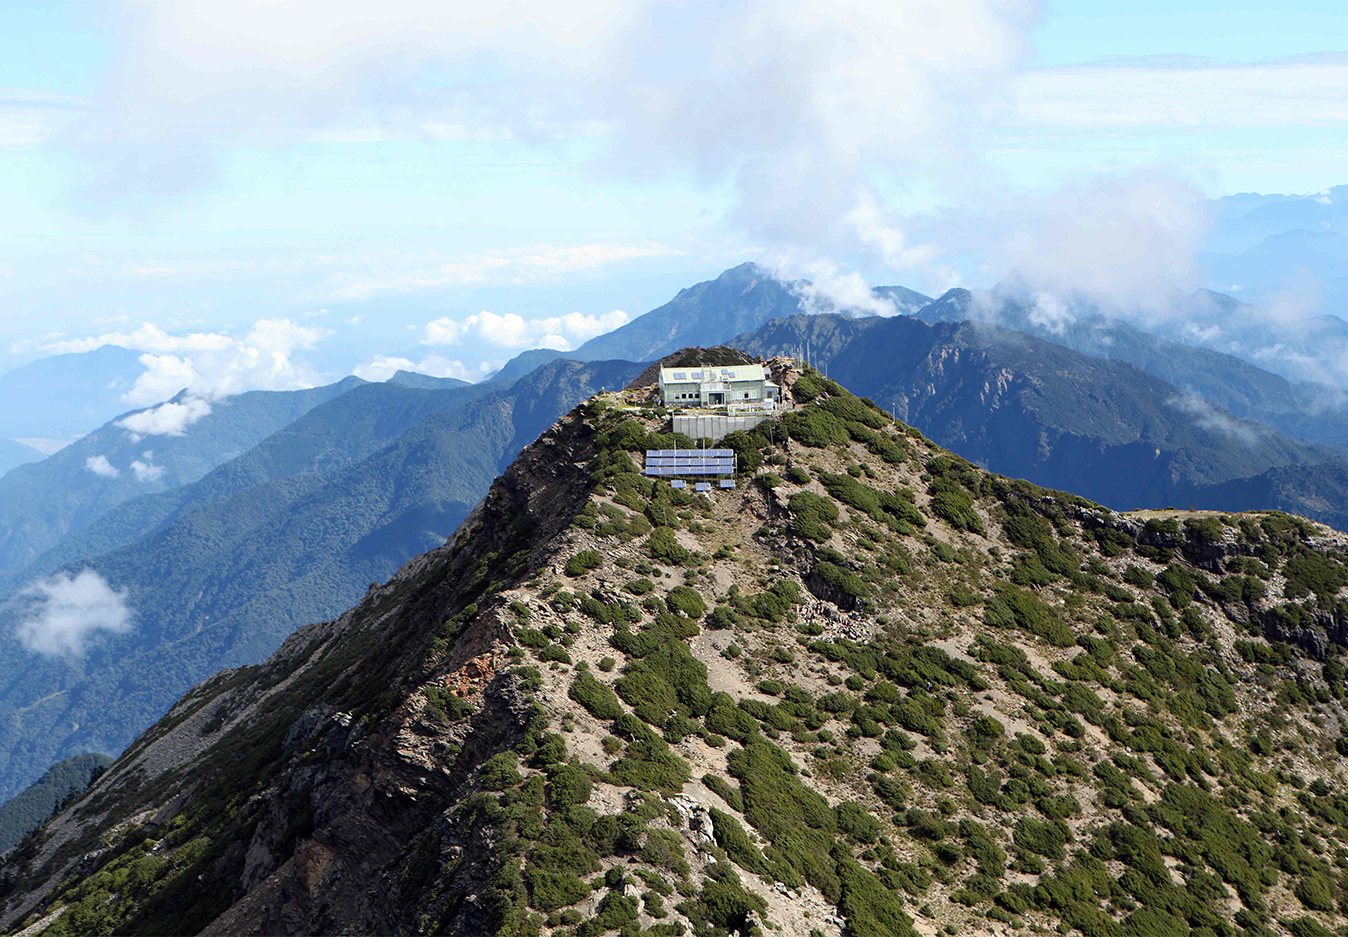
(868,679)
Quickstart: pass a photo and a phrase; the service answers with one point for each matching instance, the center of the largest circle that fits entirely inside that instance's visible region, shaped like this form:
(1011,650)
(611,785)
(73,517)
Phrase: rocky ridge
(873,690)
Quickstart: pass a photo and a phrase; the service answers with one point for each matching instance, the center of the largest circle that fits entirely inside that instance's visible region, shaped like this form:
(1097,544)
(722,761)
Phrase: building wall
(696,397)
(714,425)
(670,394)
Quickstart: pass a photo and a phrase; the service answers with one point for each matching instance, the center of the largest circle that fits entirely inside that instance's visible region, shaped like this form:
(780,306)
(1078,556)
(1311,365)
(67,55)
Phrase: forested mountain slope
(331,436)
(872,688)
(28,809)
(42,503)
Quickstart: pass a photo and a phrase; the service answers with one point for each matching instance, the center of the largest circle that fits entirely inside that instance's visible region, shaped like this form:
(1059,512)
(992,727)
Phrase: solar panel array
(690,462)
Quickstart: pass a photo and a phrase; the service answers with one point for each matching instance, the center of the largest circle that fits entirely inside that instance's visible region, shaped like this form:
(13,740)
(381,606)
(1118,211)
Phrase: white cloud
(148,337)
(383,367)
(1126,242)
(62,613)
(1208,417)
(209,364)
(790,101)
(510,330)
(99,465)
(147,471)
(821,120)
(167,419)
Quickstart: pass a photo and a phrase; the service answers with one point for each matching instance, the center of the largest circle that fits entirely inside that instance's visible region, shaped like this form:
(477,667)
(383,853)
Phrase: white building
(740,386)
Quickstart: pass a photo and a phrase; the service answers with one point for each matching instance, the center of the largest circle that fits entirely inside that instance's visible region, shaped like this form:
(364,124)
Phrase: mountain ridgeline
(1029,408)
(873,690)
(739,300)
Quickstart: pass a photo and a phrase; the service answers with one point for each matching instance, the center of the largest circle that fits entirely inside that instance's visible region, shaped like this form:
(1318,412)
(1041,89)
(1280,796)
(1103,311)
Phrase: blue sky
(363,171)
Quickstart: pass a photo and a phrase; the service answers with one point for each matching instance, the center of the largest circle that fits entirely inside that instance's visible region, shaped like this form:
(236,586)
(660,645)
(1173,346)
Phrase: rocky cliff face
(872,690)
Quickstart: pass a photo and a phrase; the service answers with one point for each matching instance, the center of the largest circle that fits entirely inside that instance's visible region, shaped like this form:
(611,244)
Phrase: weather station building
(738,387)
(724,400)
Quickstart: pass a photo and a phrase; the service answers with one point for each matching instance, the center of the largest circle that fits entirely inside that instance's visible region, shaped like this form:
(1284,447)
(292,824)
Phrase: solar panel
(678,483)
(702,486)
(727,483)
(690,462)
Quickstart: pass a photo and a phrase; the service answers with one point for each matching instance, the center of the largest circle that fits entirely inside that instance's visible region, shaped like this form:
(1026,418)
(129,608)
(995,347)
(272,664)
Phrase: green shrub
(815,427)
(568,785)
(722,906)
(812,515)
(955,505)
(854,821)
(664,848)
(1041,838)
(1013,607)
(731,837)
(722,789)
(445,706)
(583,561)
(554,653)
(531,637)
(500,771)
(1137,576)
(664,546)
(1315,891)
(871,909)
(598,699)
(649,765)
(846,582)
(639,586)
(687,600)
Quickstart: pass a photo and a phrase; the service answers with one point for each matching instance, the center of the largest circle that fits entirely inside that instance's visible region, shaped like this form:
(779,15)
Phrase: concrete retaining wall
(715,425)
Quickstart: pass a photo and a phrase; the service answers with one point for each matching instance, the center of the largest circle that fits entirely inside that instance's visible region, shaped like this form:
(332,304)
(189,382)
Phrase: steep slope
(42,503)
(1037,410)
(28,809)
(873,687)
(1314,412)
(740,299)
(226,580)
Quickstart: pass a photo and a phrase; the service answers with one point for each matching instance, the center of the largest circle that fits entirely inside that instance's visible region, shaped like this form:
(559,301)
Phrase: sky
(267,194)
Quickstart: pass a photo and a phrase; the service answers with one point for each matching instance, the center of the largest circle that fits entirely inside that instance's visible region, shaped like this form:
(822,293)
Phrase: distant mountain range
(220,571)
(139,452)
(63,397)
(1027,408)
(1314,412)
(738,301)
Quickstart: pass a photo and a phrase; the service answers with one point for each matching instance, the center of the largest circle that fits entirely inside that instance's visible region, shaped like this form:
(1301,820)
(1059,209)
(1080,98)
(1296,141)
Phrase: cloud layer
(509,330)
(210,365)
(63,613)
(167,419)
